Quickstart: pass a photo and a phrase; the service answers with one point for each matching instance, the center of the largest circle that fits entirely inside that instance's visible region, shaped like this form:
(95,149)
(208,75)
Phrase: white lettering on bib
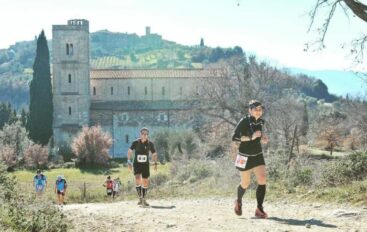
(241,161)
(142,158)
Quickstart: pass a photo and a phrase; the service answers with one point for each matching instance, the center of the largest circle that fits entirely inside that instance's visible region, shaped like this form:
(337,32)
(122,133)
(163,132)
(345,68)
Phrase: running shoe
(238,207)
(145,203)
(260,213)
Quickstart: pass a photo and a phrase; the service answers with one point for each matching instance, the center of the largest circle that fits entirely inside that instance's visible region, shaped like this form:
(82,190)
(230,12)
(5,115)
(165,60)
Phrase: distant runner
(40,183)
(142,147)
(60,189)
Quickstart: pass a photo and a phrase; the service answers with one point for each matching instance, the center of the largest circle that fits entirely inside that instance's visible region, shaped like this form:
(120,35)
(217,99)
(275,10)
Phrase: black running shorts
(253,161)
(143,169)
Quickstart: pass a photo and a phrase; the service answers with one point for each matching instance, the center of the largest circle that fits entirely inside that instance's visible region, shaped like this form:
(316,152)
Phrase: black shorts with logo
(253,161)
(142,168)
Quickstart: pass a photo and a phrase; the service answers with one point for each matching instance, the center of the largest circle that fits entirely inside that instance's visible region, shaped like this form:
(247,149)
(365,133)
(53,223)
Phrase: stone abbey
(120,100)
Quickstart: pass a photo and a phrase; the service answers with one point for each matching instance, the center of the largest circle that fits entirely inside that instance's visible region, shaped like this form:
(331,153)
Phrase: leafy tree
(36,156)
(15,136)
(91,146)
(41,108)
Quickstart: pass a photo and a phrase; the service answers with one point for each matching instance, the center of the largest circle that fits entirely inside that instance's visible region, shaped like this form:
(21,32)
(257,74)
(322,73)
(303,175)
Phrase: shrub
(158,179)
(36,156)
(8,156)
(21,213)
(349,168)
(91,146)
(193,171)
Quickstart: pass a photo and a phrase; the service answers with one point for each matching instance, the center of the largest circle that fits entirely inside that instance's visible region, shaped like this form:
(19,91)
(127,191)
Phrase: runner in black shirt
(142,147)
(247,153)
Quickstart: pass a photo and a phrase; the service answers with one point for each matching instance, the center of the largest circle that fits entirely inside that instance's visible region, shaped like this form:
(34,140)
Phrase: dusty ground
(214,214)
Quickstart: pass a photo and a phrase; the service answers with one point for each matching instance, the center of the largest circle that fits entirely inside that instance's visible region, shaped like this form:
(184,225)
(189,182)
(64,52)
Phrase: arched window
(163,91)
(67,49)
(111,90)
(69,78)
(146,90)
(69,110)
(127,138)
(128,90)
(94,91)
(181,91)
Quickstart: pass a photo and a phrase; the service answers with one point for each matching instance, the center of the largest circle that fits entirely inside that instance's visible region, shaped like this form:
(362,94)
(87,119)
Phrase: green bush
(194,170)
(158,179)
(21,213)
(349,168)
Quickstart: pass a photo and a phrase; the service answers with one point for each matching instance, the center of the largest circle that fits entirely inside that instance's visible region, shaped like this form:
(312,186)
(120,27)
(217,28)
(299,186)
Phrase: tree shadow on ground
(296,222)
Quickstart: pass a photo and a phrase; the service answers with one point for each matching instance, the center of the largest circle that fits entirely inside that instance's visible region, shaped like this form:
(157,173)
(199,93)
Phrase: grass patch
(93,179)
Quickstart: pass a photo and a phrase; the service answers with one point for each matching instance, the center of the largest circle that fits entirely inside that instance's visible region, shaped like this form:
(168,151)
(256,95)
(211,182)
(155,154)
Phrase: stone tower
(70,79)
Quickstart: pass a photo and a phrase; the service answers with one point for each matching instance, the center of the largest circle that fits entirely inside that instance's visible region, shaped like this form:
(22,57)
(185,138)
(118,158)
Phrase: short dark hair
(38,171)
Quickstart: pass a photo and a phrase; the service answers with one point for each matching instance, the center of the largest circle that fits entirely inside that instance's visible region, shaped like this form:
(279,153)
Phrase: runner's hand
(264,139)
(257,134)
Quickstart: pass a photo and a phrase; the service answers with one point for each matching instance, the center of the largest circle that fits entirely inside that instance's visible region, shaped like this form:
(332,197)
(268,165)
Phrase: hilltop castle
(120,100)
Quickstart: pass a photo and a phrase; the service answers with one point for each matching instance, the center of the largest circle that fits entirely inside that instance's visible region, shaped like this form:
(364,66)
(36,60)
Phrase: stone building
(120,100)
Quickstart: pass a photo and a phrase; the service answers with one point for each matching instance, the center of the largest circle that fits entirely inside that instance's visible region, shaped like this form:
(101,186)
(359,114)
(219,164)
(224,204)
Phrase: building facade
(120,100)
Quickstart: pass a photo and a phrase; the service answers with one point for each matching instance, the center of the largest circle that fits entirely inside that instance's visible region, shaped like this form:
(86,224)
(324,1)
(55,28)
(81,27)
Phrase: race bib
(142,158)
(241,161)
(109,190)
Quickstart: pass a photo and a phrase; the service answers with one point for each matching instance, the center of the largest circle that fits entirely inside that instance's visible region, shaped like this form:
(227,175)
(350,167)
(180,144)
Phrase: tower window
(69,49)
(69,78)
(163,91)
(69,110)
(111,90)
(127,138)
(181,91)
(146,90)
(128,90)
(94,91)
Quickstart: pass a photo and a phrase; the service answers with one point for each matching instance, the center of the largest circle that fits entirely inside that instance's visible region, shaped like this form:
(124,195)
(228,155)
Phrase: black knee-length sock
(138,190)
(260,195)
(144,191)
(240,192)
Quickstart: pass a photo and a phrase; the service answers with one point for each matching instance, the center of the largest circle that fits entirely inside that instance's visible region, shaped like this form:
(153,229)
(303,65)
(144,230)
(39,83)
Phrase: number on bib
(241,161)
(142,158)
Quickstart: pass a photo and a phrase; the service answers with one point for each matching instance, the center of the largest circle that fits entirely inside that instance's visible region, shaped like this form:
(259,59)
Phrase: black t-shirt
(142,150)
(246,127)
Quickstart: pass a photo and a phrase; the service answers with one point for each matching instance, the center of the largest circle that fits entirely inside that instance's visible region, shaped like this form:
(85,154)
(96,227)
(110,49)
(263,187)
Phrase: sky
(275,31)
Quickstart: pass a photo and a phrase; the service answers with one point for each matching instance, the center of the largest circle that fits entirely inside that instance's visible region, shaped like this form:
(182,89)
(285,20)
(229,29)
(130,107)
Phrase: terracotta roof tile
(155,73)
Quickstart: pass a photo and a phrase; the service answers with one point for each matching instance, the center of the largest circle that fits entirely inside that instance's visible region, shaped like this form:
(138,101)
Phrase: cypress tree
(41,108)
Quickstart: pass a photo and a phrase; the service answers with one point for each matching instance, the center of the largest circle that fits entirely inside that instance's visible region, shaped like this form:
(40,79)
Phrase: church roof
(143,105)
(155,73)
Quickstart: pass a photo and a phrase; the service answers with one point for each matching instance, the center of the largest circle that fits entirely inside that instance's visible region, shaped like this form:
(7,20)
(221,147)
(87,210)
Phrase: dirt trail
(214,214)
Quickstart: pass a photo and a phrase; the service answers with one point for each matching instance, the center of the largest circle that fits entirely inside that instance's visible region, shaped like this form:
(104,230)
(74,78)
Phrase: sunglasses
(145,133)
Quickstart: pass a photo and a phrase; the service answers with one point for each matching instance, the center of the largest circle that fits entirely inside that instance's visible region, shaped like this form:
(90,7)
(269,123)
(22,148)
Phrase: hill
(116,50)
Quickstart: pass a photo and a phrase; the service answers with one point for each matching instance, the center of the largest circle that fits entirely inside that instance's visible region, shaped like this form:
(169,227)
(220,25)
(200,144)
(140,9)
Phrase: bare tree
(350,7)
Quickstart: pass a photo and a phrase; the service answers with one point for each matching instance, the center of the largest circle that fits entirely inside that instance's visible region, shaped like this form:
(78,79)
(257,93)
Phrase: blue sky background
(275,31)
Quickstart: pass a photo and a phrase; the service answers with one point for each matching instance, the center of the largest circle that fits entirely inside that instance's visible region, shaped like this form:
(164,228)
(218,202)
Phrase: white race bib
(241,161)
(142,158)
